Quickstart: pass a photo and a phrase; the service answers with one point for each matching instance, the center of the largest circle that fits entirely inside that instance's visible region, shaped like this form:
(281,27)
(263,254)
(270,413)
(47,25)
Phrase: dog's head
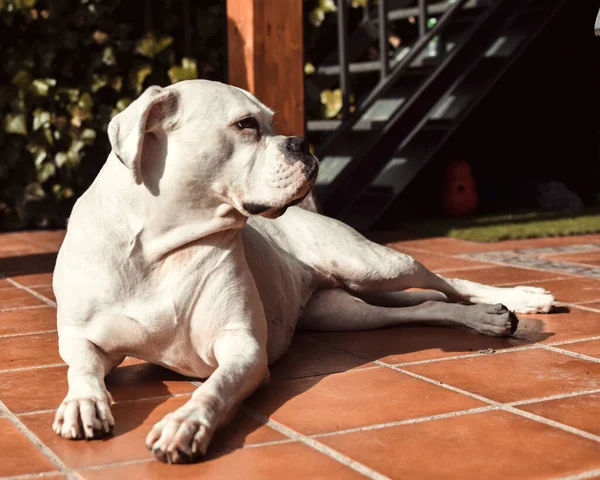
(200,141)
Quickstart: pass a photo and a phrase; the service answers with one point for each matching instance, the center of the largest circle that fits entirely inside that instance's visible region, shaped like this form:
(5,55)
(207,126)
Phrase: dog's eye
(248,123)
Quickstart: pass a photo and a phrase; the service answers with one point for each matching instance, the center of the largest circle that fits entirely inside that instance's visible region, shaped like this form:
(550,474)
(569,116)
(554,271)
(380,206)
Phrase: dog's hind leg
(337,310)
(402,299)
(364,267)
(85,411)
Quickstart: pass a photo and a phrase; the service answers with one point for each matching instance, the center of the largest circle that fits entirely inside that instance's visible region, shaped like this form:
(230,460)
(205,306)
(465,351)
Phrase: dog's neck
(153,227)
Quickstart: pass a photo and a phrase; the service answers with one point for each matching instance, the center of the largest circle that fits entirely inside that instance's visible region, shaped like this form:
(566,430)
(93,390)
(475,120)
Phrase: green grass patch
(493,228)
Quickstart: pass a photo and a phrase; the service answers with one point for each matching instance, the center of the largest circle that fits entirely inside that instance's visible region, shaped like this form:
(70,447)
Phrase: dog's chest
(284,284)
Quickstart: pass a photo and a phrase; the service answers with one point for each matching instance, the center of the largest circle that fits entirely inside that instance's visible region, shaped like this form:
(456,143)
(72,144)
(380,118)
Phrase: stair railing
(387,80)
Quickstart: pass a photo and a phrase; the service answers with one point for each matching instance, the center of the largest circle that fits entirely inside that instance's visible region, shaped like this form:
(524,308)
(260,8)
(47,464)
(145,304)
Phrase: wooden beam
(266,56)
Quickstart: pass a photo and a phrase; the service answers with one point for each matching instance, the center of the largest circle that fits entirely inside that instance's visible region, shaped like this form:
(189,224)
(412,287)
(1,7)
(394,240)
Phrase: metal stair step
(397,173)
(332,124)
(433,9)
(379,113)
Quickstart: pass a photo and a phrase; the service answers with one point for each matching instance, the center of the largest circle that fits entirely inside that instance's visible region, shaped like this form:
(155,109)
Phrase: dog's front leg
(85,411)
(183,435)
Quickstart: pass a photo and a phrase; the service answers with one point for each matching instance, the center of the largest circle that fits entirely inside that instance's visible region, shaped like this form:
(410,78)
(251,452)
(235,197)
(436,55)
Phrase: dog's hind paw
(180,437)
(83,417)
(529,300)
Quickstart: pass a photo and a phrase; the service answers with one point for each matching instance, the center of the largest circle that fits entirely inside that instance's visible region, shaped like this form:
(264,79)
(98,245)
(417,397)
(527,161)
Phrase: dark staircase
(369,157)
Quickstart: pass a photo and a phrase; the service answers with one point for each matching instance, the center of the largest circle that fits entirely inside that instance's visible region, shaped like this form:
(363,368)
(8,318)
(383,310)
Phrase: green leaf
(151,45)
(332,100)
(327,6)
(41,86)
(85,101)
(122,104)
(39,153)
(108,56)
(187,71)
(48,135)
(60,159)
(45,171)
(15,123)
(73,154)
(316,17)
(34,191)
(61,192)
(88,136)
(41,118)
(22,79)
(98,81)
(138,76)
(117,83)
(20,4)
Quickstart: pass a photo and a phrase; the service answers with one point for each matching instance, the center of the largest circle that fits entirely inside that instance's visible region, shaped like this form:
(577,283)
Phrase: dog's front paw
(180,437)
(84,417)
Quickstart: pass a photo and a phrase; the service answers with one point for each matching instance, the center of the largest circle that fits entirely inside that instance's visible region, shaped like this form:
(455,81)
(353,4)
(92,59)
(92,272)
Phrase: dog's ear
(155,108)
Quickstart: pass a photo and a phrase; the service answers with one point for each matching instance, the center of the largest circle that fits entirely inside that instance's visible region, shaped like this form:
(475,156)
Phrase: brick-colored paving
(410,402)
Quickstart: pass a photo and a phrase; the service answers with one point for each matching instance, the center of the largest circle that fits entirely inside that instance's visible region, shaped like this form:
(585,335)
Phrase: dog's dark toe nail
(514,322)
(184,457)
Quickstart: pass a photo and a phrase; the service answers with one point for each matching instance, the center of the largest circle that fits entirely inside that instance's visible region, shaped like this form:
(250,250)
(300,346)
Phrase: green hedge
(68,66)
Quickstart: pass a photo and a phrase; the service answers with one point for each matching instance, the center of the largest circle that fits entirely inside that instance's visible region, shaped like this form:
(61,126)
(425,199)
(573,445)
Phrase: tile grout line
(466,355)
(577,340)
(499,263)
(515,284)
(318,446)
(551,423)
(13,335)
(37,295)
(35,367)
(582,476)
(583,307)
(458,269)
(441,384)
(581,356)
(102,466)
(46,451)
(549,398)
(16,309)
(27,476)
(124,463)
(409,421)
(41,285)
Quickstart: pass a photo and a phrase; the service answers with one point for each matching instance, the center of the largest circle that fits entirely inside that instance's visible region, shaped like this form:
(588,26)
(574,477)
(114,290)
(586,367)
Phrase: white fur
(161,262)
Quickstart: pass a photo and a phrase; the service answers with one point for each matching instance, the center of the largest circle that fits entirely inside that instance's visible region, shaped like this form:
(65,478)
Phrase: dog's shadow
(402,341)
(312,357)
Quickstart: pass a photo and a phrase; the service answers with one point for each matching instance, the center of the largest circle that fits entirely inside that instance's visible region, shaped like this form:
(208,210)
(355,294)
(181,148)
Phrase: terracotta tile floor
(411,402)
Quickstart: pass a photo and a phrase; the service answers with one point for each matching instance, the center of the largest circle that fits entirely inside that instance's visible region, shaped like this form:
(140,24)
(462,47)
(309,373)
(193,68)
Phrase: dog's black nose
(296,145)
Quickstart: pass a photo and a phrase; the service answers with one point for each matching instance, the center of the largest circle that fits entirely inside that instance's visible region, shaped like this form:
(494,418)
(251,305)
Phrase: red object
(459,198)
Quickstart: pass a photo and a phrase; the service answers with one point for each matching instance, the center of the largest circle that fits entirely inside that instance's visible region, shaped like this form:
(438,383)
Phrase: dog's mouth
(311,171)
(270,211)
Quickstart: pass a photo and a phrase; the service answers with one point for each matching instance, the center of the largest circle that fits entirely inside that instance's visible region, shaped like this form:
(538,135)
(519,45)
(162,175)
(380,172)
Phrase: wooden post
(266,57)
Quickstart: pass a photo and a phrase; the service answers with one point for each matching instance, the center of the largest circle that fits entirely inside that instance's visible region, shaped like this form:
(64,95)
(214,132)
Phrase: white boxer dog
(180,254)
